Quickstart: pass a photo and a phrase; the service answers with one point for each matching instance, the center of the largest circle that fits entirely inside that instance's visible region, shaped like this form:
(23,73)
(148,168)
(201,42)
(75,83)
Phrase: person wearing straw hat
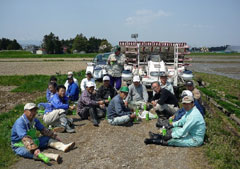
(189,131)
(137,95)
(118,114)
(24,140)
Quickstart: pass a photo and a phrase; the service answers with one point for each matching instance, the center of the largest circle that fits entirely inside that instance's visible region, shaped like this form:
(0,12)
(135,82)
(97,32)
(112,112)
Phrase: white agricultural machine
(150,59)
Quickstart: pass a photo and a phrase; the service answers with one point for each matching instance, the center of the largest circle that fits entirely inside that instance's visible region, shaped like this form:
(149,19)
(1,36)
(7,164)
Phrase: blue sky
(199,23)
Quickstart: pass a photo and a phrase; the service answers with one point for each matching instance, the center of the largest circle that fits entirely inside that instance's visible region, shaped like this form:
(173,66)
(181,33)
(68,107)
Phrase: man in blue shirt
(24,141)
(189,131)
(52,89)
(55,111)
(117,113)
(73,90)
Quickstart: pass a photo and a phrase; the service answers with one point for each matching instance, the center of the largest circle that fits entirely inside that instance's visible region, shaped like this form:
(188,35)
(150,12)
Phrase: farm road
(118,147)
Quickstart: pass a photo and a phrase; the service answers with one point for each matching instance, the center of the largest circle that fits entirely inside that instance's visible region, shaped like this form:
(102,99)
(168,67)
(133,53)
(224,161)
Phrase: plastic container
(164,131)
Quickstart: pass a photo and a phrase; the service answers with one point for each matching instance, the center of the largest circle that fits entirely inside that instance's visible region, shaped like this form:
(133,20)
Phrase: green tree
(7,44)
(105,46)
(80,43)
(52,44)
(93,44)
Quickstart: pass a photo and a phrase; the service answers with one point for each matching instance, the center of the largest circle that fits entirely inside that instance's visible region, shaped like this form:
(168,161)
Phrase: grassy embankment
(26,54)
(31,83)
(222,144)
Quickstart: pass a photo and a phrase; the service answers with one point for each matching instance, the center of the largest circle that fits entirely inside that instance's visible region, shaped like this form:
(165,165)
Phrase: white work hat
(90,84)
(70,73)
(30,106)
(106,78)
(136,79)
(187,99)
(186,93)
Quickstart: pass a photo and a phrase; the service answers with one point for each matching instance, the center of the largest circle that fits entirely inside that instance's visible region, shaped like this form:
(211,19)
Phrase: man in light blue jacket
(189,131)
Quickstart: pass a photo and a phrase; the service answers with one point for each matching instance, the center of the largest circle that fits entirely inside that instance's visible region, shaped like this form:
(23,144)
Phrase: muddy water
(219,66)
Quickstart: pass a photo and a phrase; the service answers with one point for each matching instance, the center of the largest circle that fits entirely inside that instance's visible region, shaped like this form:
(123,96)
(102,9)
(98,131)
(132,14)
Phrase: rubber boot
(51,156)
(64,122)
(155,141)
(94,117)
(154,136)
(61,146)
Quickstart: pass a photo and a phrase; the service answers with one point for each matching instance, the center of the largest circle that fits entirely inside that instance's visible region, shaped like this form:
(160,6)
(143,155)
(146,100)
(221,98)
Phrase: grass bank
(221,144)
(31,83)
(26,54)
(222,89)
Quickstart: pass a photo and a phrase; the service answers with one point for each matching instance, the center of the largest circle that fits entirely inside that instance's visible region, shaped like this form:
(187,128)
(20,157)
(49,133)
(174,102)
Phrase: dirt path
(8,100)
(117,147)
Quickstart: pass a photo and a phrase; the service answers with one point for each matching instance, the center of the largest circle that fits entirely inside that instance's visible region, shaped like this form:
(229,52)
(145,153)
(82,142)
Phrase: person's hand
(36,152)
(132,116)
(101,102)
(102,106)
(57,138)
(154,103)
(113,59)
(126,103)
(71,107)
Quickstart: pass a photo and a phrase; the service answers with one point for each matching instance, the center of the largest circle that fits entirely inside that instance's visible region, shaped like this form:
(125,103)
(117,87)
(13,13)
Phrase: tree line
(7,44)
(52,45)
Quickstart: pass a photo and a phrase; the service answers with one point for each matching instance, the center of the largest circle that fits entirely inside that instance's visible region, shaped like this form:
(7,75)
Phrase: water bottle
(145,107)
(136,112)
(74,111)
(147,116)
(44,158)
(170,120)
(164,131)
(109,98)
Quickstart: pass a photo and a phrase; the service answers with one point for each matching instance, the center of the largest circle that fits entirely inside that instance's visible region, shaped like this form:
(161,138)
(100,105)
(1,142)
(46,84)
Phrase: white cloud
(143,17)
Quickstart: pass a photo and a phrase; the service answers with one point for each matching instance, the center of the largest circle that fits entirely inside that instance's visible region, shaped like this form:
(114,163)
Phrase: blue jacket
(49,95)
(181,112)
(21,126)
(73,92)
(116,108)
(56,103)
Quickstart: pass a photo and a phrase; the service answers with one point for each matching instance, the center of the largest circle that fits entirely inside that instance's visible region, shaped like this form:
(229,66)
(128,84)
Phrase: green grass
(222,146)
(26,54)
(222,87)
(31,83)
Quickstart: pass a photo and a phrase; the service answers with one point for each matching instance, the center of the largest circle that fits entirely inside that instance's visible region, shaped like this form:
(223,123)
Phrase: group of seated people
(187,127)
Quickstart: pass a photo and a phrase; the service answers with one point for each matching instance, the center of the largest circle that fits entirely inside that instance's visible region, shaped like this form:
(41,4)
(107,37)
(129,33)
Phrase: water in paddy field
(219,66)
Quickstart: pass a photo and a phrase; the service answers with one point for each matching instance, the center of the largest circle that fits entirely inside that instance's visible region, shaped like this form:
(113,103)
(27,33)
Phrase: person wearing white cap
(88,78)
(137,95)
(24,140)
(70,75)
(166,84)
(189,131)
(88,105)
(106,91)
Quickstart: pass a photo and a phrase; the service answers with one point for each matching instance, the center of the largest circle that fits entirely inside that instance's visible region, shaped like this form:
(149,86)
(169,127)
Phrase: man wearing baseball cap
(189,131)
(89,105)
(164,83)
(115,67)
(70,75)
(118,114)
(106,92)
(24,140)
(196,94)
(137,95)
(89,78)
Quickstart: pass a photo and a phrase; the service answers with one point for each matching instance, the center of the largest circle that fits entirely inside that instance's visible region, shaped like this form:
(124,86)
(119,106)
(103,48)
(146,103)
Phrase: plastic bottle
(74,111)
(170,120)
(164,131)
(147,116)
(44,158)
(145,107)
(136,112)
(109,98)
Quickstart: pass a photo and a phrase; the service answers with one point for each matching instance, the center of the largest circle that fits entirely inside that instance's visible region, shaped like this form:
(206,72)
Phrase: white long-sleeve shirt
(84,83)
